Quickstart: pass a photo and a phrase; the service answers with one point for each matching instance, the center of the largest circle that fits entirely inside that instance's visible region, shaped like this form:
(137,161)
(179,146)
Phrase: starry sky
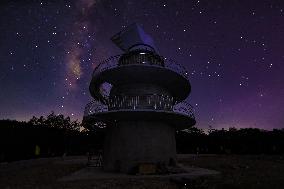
(233,50)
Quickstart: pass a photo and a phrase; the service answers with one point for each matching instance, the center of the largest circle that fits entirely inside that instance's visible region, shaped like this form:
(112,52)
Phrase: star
(50,50)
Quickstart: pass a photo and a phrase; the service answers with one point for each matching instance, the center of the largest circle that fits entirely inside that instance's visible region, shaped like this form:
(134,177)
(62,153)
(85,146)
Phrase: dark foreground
(236,172)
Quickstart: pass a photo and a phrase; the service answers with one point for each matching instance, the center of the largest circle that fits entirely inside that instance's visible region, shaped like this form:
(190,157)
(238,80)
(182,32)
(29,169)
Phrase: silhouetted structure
(144,106)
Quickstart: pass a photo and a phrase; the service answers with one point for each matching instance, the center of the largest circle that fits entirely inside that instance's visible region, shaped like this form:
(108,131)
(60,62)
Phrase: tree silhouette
(57,134)
(56,121)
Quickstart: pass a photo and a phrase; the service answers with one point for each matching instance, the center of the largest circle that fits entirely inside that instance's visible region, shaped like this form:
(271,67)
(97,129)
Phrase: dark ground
(242,171)
(237,171)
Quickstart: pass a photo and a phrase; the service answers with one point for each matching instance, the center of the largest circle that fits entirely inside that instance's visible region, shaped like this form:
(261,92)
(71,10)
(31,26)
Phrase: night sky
(233,50)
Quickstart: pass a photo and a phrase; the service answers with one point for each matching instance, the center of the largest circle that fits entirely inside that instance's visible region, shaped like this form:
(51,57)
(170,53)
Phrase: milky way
(233,51)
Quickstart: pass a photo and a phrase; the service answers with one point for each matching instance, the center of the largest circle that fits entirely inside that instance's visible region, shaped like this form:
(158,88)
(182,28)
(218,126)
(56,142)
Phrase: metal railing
(174,66)
(141,57)
(184,108)
(153,102)
(113,62)
(94,107)
(106,64)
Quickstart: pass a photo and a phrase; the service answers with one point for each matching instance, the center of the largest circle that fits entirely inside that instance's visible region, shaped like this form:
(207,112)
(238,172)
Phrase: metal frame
(113,62)
(148,101)
(95,107)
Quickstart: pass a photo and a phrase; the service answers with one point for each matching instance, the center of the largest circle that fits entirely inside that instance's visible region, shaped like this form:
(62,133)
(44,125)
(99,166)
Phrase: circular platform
(178,120)
(175,83)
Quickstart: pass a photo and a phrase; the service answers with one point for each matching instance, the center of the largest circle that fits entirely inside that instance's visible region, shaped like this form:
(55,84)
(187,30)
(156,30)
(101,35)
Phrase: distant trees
(52,135)
(236,141)
(55,121)
(55,135)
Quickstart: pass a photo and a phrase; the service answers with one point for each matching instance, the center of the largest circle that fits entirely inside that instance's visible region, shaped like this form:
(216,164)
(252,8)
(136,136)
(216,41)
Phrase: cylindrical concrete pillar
(130,143)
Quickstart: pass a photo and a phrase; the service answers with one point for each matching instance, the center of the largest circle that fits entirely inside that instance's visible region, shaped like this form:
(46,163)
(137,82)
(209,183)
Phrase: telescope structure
(144,105)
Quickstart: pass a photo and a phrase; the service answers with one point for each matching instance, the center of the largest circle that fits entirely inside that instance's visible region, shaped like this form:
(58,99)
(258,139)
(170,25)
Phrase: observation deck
(131,69)
(150,107)
(140,66)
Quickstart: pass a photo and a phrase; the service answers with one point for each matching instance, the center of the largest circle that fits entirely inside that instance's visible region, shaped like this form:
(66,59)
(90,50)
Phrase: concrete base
(130,143)
(92,173)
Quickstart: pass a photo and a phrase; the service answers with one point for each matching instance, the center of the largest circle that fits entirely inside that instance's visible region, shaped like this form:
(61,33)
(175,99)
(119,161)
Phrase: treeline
(231,141)
(56,135)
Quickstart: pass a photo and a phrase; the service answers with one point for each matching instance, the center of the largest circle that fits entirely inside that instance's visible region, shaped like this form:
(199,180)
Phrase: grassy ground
(236,172)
